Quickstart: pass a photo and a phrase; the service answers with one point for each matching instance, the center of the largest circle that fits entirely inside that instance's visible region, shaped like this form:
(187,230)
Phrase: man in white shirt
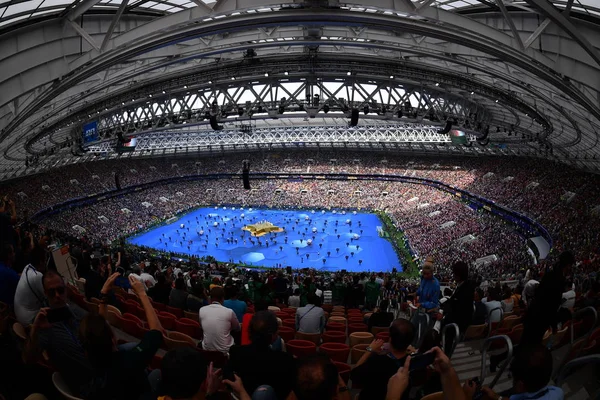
(568,297)
(143,277)
(217,323)
(29,296)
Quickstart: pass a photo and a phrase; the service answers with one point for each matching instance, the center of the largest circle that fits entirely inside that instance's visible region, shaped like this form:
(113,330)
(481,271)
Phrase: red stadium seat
(334,337)
(385,336)
(160,306)
(167,320)
(355,320)
(300,348)
(290,323)
(357,328)
(156,361)
(287,333)
(189,327)
(131,327)
(336,351)
(283,315)
(290,311)
(178,312)
(336,326)
(134,318)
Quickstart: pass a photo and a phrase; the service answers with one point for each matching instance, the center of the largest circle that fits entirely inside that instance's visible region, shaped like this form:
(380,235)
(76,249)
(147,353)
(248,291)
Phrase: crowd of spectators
(62,332)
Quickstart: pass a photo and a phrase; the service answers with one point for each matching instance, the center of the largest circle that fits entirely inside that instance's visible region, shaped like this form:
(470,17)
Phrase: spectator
(310,318)
(381,317)
(239,307)
(29,296)
(543,310)
(59,338)
(493,303)
(145,277)
(294,300)
(529,291)
(161,292)
(245,336)
(531,369)
(377,366)
(356,294)
(273,368)
(429,289)
(179,295)
(217,323)
(9,279)
(119,373)
(281,288)
(459,307)
(480,314)
(372,292)
(507,302)
(8,218)
(317,379)
(197,299)
(93,280)
(568,296)
(183,374)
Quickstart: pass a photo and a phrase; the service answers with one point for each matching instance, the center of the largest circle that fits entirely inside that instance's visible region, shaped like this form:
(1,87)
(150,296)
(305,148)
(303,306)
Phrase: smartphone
(420,361)
(58,314)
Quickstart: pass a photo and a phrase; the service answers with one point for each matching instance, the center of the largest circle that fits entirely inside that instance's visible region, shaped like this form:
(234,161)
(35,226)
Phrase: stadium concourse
(299,199)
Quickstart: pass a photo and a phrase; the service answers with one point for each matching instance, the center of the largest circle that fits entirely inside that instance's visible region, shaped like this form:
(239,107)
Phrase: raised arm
(105,293)
(139,289)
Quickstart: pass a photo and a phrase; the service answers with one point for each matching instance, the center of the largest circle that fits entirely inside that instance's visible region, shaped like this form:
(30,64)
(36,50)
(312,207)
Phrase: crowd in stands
(127,325)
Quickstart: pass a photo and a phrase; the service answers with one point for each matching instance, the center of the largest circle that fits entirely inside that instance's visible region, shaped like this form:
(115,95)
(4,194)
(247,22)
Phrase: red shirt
(246,329)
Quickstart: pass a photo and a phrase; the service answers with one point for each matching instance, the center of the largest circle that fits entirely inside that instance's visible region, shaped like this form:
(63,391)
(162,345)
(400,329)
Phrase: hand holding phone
(421,361)
(55,315)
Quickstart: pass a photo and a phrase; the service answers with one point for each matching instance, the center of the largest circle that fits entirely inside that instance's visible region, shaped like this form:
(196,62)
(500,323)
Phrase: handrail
(570,367)
(420,332)
(486,345)
(490,319)
(587,335)
(456,338)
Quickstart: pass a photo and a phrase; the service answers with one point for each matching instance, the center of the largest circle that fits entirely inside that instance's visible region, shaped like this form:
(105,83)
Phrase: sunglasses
(60,290)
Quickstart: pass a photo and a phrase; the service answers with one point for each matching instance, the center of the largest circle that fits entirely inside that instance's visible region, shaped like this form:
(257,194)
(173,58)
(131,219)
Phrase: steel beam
(113,24)
(83,34)
(80,9)
(511,24)
(547,9)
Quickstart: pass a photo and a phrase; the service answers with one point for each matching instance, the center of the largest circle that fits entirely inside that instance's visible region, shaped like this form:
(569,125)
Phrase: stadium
(301,194)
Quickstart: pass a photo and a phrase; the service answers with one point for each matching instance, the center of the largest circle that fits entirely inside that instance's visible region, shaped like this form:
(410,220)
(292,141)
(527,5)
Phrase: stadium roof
(523,75)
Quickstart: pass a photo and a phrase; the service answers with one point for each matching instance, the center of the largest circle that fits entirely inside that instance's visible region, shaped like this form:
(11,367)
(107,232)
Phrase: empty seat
(475,331)
(355,320)
(174,340)
(340,320)
(167,320)
(357,352)
(360,338)
(178,312)
(194,316)
(289,322)
(376,329)
(336,351)
(311,337)
(338,314)
(300,348)
(189,327)
(385,336)
(335,326)
(334,337)
(287,333)
(357,328)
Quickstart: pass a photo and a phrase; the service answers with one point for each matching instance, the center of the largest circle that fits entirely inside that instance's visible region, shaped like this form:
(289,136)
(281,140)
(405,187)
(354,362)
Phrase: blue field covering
(334,235)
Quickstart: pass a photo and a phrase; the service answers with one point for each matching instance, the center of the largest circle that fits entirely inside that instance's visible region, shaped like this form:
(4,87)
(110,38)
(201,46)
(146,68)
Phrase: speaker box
(354,117)
(214,124)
